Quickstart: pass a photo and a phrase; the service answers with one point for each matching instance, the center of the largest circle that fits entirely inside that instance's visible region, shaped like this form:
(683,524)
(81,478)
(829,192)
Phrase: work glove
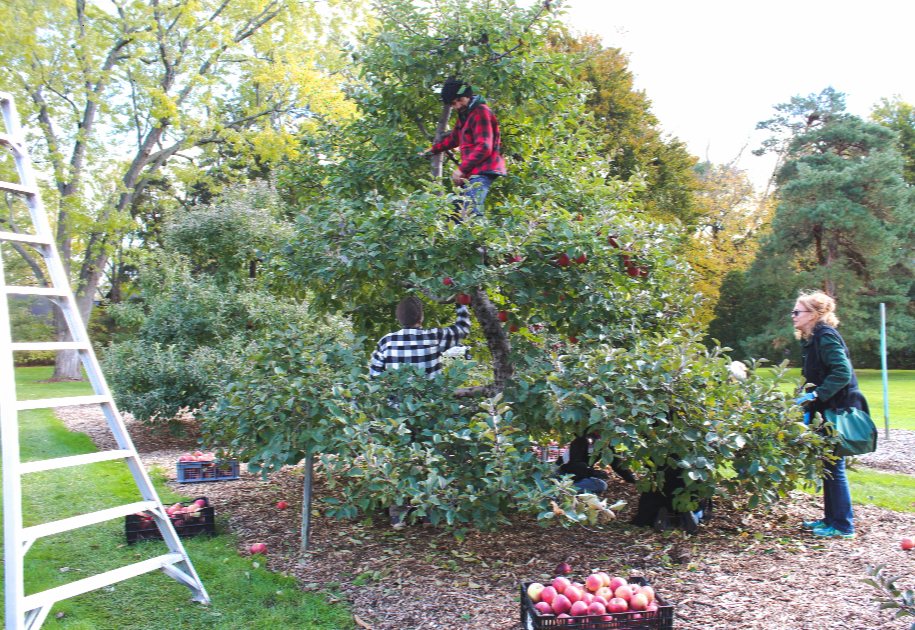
(806,398)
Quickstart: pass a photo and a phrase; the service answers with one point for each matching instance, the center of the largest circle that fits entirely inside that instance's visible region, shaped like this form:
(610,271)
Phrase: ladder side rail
(13,554)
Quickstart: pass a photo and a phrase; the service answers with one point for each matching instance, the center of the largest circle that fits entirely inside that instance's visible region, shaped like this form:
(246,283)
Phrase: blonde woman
(827,366)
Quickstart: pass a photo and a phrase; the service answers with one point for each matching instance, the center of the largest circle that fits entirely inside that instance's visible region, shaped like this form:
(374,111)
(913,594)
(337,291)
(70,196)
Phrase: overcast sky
(714,68)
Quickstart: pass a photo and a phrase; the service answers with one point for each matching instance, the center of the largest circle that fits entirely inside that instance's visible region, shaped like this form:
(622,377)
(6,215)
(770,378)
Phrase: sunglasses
(796,313)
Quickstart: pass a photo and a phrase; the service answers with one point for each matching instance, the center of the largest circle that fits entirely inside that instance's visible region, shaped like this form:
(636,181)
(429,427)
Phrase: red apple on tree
(513,328)
(581,259)
(563,260)
(503,316)
(447,281)
(463,298)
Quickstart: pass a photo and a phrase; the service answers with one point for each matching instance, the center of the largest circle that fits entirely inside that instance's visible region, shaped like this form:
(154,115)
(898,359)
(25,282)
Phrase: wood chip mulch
(744,570)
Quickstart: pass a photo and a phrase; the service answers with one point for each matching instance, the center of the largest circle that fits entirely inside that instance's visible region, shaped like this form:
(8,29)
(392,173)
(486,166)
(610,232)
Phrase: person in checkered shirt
(417,346)
(476,133)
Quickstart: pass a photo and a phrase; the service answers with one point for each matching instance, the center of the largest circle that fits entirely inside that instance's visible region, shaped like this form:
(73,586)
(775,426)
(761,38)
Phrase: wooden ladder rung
(50,596)
(46,291)
(18,189)
(33,239)
(74,460)
(39,346)
(84,520)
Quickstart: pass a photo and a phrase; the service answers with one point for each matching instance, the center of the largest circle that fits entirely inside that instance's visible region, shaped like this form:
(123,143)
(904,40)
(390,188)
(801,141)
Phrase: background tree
(844,223)
(899,116)
(117,95)
(583,309)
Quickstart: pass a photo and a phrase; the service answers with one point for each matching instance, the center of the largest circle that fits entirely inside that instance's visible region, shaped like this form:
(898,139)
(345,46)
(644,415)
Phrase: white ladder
(29,611)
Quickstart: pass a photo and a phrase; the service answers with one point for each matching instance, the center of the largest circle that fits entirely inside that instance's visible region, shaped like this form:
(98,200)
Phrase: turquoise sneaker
(813,524)
(830,532)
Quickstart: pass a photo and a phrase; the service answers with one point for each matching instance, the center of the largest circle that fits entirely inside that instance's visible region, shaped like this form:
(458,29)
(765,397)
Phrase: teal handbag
(855,429)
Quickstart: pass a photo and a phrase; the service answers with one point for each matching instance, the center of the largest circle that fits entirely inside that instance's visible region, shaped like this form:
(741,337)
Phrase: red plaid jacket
(476,132)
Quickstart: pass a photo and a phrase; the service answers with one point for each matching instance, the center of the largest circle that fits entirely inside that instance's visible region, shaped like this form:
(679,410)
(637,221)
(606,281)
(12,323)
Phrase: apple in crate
(534,591)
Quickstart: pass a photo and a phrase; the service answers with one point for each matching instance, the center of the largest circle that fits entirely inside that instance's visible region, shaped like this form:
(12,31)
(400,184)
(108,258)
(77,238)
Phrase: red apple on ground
(617,605)
(638,602)
(447,281)
(547,594)
(463,298)
(258,548)
(503,316)
(593,583)
(543,608)
(534,590)
(578,609)
(563,568)
(561,584)
(596,608)
(281,505)
(907,544)
(561,604)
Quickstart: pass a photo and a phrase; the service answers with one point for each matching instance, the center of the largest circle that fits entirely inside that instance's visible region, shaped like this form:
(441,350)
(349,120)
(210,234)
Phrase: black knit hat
(454,88)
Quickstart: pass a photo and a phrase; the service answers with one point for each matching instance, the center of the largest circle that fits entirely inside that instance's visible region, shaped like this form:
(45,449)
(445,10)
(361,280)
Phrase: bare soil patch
(744,570)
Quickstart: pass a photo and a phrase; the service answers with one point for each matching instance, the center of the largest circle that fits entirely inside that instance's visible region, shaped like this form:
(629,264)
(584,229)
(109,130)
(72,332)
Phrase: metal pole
(886,396)
(306,499)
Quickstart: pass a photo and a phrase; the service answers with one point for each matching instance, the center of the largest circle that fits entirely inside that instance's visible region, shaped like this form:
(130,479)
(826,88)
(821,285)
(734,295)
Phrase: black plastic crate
(660,619)
(142,526)
(218,470)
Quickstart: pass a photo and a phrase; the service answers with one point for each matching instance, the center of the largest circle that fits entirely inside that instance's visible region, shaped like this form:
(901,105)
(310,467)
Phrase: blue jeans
(475,191)
(592,485)
(837,498)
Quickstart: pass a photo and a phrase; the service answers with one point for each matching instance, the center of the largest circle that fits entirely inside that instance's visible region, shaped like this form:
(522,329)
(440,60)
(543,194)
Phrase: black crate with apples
(190,519)
(660,619)
(210,470)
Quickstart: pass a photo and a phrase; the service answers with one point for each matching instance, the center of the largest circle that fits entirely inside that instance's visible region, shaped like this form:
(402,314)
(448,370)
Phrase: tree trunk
(440,129)
(498,343)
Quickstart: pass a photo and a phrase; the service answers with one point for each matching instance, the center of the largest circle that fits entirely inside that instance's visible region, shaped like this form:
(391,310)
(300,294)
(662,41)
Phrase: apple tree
(583,309)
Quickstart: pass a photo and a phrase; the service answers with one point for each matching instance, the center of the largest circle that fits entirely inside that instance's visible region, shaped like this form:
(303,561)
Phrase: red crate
(661,619)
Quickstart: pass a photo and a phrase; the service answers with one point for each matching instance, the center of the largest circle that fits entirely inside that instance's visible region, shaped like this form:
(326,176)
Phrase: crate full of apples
(199,466)
(188,519)
(600,602)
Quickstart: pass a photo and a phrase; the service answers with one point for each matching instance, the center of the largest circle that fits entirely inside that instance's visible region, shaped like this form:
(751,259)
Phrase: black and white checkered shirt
(418,346)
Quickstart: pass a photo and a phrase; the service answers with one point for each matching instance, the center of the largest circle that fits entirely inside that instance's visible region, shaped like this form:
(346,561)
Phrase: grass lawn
(243,593)
(901,388)
(886,490)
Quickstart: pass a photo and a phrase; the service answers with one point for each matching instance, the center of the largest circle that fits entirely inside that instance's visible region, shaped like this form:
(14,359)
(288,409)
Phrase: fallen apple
(258,548)
(907,544)
(281,505)
(563,568)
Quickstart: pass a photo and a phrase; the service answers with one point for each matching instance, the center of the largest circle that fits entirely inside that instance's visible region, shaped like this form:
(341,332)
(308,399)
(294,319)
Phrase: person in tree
(419,347)
(476,134)
(833,385)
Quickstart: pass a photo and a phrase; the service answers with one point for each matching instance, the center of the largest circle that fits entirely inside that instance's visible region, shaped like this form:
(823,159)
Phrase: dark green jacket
(828,366)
